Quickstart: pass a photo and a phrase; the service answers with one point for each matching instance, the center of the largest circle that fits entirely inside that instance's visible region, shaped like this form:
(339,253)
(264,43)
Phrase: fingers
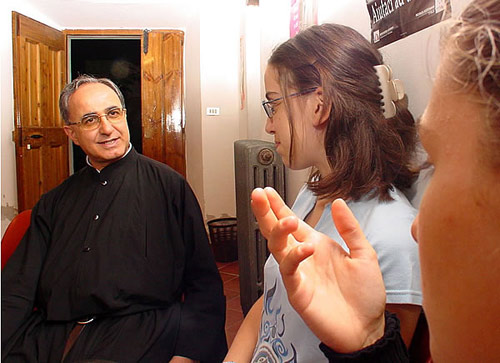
(263,212)
(277,204)
(281,210)
(295,256)
(350,230)
(280,242)
(259,202)
(268,208)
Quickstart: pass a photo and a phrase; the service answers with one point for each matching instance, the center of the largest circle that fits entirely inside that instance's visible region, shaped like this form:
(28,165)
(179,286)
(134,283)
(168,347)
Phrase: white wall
(212,70)
(212,74)
(275,29)
(413,59)
(219,64)
(213,78)
(91,14)
(9,202)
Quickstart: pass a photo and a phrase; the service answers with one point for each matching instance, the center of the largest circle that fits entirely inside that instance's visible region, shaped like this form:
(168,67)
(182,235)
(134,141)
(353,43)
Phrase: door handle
(36,136)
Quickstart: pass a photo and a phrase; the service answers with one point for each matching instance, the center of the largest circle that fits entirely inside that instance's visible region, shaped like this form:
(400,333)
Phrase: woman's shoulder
(386,220)
(375,210)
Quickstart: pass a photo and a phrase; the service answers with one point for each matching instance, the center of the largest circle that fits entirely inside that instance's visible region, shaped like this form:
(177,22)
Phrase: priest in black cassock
(116,264)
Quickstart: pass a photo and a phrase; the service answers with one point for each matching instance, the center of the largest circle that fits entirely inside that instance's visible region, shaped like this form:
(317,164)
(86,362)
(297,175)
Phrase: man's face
(458,229)
(107,143)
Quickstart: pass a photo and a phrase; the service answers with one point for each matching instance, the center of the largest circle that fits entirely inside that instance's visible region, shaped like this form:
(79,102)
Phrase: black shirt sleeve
(201,334)
(389,348)
(21,274)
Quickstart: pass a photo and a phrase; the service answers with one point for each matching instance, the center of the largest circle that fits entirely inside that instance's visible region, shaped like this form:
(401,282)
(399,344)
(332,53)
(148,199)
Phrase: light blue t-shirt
(283,335)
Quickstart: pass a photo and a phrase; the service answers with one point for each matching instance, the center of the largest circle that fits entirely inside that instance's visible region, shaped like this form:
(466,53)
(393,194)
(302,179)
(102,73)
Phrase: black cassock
(127,246)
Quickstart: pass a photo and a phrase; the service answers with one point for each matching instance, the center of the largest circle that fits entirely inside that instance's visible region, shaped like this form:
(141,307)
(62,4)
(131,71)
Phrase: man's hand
(340,295)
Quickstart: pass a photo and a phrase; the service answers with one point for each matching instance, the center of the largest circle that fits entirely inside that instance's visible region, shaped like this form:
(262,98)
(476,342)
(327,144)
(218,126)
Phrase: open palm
(339,295)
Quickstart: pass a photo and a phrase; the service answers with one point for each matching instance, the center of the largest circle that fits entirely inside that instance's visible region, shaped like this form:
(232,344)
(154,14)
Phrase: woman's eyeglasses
(269,108)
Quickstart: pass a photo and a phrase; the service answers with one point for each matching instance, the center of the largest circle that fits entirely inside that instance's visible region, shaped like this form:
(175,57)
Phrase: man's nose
(105,125)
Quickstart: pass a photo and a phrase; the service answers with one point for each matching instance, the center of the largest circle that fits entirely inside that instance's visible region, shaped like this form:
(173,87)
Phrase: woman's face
(458,229)
(308,149)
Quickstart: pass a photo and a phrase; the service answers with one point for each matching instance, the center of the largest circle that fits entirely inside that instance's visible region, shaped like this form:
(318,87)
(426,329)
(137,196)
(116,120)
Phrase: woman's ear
(321,112)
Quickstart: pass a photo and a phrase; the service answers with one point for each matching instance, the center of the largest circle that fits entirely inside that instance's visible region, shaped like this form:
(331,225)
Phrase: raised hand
(339,295)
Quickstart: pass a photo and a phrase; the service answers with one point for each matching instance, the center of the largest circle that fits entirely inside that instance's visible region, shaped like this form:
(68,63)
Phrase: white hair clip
(392,89)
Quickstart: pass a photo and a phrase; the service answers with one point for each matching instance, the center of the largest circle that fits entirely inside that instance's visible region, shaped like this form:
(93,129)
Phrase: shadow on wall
(209,217)
(8,214)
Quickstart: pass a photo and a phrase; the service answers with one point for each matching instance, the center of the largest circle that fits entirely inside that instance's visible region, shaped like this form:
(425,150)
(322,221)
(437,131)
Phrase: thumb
(350,230)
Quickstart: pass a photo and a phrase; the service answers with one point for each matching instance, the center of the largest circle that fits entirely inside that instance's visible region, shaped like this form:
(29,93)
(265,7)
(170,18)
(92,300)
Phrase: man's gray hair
(71,88)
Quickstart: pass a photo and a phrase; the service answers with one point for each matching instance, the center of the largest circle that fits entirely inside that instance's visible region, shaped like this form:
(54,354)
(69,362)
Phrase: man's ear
(71,134)
(321,113)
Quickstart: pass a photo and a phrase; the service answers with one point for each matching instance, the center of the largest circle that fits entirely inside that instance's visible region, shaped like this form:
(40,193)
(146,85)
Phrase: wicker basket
(224,239)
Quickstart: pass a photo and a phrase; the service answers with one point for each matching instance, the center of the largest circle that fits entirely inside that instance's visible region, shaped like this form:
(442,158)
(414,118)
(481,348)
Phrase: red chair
(14,233)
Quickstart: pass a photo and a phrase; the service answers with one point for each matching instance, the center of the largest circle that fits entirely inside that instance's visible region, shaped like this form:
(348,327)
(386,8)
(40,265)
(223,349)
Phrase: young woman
(326,111)
(457,227)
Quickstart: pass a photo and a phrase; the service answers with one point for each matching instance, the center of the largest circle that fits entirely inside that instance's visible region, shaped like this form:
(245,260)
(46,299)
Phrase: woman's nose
(414,228)
(269,126)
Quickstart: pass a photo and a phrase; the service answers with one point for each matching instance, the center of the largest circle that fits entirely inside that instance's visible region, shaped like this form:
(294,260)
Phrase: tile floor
(229,272)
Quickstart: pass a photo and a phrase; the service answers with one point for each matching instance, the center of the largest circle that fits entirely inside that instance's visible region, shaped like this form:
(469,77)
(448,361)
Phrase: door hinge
(145,40)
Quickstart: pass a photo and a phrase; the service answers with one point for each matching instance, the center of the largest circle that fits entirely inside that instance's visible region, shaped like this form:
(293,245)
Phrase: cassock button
(96,217)
(104,182)
(86,249)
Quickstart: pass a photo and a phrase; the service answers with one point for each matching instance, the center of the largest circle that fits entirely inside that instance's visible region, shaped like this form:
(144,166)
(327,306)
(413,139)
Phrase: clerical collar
(128,150)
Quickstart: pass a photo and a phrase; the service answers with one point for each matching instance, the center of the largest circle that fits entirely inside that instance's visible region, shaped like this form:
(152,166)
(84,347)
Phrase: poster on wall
(392,20)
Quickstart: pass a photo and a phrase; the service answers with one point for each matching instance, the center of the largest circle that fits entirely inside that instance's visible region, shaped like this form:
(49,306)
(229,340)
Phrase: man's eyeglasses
(268,107)
(92,121)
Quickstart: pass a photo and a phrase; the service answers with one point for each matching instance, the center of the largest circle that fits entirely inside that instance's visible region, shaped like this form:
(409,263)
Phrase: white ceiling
(88,14)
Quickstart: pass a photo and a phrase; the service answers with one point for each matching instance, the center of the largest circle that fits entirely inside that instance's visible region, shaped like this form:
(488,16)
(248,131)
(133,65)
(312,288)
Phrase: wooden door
(42,160)
(163,135)
(39,62)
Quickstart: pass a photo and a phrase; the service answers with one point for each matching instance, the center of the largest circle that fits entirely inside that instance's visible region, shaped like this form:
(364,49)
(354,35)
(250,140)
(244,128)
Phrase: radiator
(257,164)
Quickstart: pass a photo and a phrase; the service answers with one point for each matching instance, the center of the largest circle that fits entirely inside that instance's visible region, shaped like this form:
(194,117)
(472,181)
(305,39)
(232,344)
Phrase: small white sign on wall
(213,111)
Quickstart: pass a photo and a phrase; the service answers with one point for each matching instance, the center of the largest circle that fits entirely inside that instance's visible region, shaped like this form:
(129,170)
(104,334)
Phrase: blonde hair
(473,47)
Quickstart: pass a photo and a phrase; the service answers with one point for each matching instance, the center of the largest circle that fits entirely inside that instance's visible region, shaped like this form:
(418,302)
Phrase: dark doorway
(120,61)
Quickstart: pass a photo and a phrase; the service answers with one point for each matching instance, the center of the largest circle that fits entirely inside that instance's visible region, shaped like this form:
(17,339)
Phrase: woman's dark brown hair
(368,154)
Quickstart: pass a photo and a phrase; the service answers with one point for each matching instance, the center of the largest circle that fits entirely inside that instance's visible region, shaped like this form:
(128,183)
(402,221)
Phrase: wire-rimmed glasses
(268,107)
(92,121)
